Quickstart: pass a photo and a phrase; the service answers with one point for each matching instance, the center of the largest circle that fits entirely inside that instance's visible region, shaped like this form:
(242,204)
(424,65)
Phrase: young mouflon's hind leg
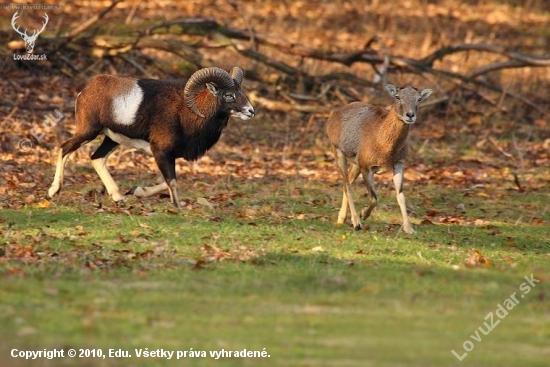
(347,198)
(354,172)
(398,171)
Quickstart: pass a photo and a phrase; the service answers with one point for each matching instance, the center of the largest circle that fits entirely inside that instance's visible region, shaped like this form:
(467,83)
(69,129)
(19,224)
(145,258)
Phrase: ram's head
(226,87)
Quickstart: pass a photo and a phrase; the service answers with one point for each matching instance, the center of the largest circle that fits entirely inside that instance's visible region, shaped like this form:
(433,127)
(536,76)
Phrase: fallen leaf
(432,213)
(205,203)
(510,242)
(43,204)
(476,259)
(27,330)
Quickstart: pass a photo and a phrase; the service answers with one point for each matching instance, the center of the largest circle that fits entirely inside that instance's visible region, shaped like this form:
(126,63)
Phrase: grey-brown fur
(374,140)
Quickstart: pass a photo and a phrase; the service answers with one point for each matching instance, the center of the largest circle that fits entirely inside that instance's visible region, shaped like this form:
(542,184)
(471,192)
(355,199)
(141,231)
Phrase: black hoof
(121,203)
(358,227)
(131,191)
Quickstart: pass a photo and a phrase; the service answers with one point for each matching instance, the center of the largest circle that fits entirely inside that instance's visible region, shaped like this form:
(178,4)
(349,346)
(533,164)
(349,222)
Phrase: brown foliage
(301,59)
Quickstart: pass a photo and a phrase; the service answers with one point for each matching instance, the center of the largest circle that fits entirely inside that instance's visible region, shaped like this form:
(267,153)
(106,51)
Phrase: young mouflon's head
(226,87)
(407,100)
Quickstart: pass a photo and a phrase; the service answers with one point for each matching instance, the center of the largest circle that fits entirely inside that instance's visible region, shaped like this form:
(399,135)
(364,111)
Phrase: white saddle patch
(125,106)
(128,142)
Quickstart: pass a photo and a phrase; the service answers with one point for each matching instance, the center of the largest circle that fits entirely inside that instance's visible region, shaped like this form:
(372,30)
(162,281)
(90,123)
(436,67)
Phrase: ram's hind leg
(65,150)
(59,173)
(99,160)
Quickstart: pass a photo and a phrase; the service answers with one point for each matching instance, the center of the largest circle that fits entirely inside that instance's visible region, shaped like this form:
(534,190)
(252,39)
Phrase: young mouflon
(168,118)
(374,140)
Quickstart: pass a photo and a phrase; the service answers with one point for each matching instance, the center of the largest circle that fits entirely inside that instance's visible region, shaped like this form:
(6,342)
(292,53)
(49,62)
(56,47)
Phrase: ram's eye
(229,97)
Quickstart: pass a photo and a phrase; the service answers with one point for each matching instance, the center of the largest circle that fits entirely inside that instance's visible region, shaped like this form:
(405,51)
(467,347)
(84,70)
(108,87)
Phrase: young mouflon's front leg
(398,171)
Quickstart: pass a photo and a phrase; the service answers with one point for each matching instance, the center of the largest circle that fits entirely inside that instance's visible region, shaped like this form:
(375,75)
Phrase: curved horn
(237,74)
(196,83)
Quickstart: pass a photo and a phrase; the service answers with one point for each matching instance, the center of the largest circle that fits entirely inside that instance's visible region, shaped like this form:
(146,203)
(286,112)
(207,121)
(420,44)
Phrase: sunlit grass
(275,272)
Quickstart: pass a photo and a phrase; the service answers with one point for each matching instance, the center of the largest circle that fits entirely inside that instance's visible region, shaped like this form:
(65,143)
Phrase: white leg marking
(398,183)
(142,192)
(126,105)
(59,173)
(110,184)
(126,141)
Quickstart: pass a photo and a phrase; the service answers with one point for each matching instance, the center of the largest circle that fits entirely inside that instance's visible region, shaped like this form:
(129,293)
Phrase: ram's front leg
(167,165)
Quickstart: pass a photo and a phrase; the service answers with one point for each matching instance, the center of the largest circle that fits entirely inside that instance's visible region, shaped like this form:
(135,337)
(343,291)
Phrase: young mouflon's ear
(212,88)
(425,93)
(391,89)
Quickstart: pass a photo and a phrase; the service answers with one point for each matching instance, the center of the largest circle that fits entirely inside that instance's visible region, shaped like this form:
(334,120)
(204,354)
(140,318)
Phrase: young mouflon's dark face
(407,99)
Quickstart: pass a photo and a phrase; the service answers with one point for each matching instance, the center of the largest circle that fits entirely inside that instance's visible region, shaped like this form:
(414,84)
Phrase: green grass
(267,268)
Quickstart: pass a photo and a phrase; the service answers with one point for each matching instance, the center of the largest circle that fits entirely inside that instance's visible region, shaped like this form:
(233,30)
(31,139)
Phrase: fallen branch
(246,42)
(275,105)
(87,24)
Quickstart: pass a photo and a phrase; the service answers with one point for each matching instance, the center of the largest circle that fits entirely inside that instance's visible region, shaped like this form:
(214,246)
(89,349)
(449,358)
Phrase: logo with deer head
(29,40)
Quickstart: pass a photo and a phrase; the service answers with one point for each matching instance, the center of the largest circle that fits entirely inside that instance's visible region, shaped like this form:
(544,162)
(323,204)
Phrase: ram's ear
(391,89)
(213,88)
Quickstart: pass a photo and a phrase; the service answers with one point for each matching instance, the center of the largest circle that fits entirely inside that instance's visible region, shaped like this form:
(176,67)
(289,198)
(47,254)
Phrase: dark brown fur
(163,119)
